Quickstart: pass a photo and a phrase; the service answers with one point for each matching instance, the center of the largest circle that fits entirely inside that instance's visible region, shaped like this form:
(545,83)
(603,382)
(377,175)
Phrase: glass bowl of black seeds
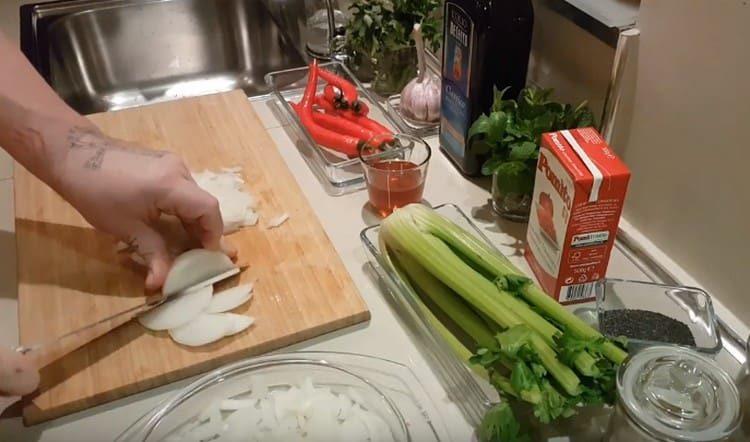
(648,314)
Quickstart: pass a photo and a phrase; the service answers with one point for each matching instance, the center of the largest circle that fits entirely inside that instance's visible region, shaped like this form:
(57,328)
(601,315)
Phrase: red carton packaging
(579,191)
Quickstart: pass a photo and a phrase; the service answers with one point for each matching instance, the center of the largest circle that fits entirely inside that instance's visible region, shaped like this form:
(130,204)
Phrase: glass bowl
(689,305)
(388,389)
(338,175)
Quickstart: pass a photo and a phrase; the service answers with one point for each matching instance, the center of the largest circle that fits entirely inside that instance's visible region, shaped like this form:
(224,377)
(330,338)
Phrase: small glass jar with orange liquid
(395,169)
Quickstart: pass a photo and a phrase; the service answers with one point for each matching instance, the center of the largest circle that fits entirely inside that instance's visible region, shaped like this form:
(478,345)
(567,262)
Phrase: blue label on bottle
(455,111)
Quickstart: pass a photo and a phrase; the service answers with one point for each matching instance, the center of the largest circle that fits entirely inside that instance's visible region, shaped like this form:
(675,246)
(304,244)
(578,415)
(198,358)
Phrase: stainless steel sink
(112,54)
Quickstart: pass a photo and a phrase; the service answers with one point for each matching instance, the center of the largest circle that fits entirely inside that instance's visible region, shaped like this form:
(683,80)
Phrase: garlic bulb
(420,99)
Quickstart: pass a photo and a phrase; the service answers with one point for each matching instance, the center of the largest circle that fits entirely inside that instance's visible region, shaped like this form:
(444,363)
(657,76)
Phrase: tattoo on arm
(99,144)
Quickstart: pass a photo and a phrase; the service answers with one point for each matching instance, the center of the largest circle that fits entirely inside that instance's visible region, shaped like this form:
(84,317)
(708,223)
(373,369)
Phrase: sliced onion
(354,429)
(230,299)
(235,203)
(291,413)
(197,266)
(277,221)
(241,424)
(204,329)
(376,426)
(138,259)
(239,323)
(236,404)
(179,311)
(251,218)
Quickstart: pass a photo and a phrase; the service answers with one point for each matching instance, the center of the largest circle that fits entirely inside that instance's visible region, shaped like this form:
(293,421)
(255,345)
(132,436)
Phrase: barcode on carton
(577,292)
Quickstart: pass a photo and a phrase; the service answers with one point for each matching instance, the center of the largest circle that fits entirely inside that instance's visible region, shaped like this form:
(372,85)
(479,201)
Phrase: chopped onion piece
(277,221)
(236,204)
(354,429)
(290,413)
(138,259)
(251,218)
(236,404)
(230,299)
(376,426)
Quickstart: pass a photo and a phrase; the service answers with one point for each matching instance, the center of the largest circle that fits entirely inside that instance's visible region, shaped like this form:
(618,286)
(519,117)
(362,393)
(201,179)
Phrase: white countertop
(384,336)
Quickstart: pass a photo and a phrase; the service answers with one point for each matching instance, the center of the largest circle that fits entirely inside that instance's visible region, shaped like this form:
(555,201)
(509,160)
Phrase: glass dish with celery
(473,304)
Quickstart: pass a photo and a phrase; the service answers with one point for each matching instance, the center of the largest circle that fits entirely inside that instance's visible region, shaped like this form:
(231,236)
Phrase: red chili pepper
(347,89)
(367,122)
(342,143)
(361,108)
(340,124)
(333,95)
(325,104)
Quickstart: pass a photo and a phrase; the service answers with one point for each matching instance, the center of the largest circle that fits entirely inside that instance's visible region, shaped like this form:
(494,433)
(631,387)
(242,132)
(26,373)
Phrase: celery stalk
(447,301)
(401,234)
(422,281)
(493,262)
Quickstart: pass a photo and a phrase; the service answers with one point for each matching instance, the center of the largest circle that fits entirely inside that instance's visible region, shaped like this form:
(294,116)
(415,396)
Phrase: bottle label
(458,45)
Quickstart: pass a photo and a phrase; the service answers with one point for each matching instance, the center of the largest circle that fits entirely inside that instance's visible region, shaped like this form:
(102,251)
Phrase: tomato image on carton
(545,211)
(579,191)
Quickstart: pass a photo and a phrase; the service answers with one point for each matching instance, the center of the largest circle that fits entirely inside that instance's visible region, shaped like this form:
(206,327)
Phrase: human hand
(122,188)
(18,376)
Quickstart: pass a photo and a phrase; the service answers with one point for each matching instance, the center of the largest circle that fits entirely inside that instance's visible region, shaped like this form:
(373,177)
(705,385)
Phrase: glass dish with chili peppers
(330,120)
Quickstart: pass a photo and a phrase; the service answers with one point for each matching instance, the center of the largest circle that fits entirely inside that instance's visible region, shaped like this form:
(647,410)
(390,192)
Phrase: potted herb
(511,134)
(380,44)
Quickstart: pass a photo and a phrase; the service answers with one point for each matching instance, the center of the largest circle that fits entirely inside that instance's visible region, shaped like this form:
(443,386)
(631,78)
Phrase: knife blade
(44,353)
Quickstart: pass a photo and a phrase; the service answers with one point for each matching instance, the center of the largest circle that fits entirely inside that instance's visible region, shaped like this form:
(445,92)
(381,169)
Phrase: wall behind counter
(683,132)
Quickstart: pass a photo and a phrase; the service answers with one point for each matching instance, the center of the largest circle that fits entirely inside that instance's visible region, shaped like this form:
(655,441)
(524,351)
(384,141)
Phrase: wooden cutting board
(70,275)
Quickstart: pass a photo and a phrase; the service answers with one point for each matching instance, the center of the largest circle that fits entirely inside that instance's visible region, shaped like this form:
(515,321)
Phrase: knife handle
(46,353)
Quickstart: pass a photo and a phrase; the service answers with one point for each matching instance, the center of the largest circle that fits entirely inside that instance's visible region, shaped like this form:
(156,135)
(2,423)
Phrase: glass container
(743,384)
(472,397)
(691,306)
(393,69)
(417,128)
(395,170)
(511,205)
(338,175)
(388,388)
(668,393)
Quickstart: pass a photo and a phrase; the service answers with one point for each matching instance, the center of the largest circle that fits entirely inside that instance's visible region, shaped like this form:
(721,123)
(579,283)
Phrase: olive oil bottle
(486,44)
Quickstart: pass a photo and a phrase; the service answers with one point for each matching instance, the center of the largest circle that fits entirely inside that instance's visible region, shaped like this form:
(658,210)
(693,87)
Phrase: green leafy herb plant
(512,132)
(379,33)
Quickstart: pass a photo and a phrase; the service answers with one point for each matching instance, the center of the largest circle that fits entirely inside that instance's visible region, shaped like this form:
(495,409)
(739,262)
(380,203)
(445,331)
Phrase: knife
(44,353)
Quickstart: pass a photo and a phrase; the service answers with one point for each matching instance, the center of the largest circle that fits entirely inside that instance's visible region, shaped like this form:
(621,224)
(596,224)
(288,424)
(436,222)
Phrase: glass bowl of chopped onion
(305,396)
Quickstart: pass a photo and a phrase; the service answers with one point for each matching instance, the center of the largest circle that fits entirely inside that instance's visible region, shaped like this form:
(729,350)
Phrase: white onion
(291,413)
(277,221)
(236,404)
(197,266)
(235,203)
(179,311)
(138,259)
(202,330)
(376,426)
(230,299)
(239,323)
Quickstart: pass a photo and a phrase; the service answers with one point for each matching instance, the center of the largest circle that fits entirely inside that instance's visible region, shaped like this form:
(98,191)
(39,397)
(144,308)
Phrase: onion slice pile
(301,412)
(196,316)
(237,206)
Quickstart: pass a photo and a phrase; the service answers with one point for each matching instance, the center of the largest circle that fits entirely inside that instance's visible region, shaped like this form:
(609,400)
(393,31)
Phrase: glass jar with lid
(743,383)
(670,393)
